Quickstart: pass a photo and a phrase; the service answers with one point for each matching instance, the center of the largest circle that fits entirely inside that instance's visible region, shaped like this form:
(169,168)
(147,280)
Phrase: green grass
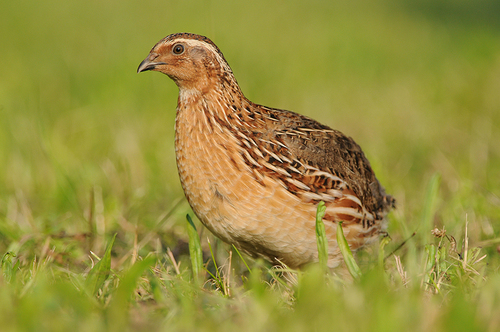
(87,156)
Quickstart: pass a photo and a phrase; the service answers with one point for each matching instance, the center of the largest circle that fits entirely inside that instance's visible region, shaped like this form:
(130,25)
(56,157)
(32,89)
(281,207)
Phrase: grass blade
(195,252)
(321,236)
(242,259)
(118,312)
(429,208)
(217,277)
(384,241)
(8,267)
(350,262)
(101,270)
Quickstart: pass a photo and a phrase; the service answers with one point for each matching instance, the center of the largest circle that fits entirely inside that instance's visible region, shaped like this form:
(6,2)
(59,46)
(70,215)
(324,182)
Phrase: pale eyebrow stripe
(199,43)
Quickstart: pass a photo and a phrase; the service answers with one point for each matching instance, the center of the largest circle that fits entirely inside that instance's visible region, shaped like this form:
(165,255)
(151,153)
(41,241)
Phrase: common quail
(254,175)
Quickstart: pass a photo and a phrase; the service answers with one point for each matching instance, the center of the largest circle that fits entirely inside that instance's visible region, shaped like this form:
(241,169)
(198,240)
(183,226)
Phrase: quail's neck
(218,100)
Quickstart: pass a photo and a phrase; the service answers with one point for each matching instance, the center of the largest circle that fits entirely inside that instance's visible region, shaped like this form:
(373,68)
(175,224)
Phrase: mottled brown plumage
(253,174)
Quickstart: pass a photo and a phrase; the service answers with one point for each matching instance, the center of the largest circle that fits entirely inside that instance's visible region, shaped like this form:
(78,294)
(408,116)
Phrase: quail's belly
(262,219)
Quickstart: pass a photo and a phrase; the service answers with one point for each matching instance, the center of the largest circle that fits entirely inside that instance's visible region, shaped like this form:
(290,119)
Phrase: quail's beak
(149,63)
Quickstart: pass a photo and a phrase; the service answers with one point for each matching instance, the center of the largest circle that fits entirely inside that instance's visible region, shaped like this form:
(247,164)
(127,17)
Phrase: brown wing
(326,159)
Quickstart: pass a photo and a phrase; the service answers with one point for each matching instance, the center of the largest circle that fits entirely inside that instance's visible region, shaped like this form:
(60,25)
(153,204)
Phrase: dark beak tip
(143,66)
(147,64)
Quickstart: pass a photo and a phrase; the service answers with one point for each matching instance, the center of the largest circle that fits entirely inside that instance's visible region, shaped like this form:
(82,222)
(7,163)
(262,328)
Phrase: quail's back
(254,175)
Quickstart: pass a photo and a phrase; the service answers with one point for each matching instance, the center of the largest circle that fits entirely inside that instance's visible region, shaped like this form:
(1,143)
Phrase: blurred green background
(86,144)
(415,83)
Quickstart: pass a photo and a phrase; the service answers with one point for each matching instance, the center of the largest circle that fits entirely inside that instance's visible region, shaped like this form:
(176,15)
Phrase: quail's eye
(178,49)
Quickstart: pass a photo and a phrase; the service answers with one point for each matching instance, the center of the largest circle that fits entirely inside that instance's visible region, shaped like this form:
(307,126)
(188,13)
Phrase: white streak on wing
(272,154)
(335,193)
(294,169)
(247,144)
(344,210)
(310,196)
(258,153)
(281,144)
(354,199)
(328,175)
(316,130)
(216,124)
(250,159)
(298,184)
(277,169)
